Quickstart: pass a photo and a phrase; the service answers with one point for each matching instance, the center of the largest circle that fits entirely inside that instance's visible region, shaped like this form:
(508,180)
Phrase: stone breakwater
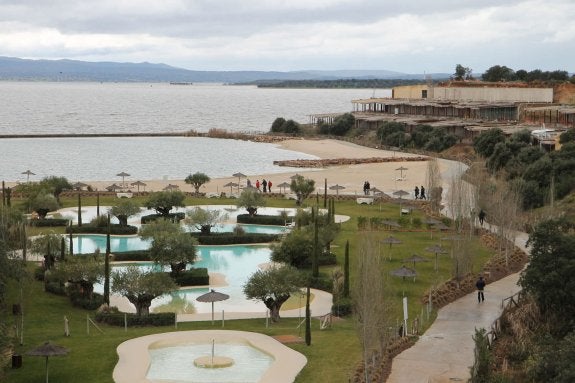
(322,163)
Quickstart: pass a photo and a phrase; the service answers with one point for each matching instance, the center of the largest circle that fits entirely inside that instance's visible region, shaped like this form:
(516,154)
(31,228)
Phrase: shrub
(233,239)
(261,219)
(342,307)
(176,217)
(134,256)
(79,300)
(362,222)
(194,277)
(39,273)
(49,222)
(239,230)
(55,287)
(117,319)
(321,283)
(114,229)
(416,222)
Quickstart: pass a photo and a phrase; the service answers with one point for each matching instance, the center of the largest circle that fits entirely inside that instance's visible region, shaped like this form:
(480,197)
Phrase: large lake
(80,108)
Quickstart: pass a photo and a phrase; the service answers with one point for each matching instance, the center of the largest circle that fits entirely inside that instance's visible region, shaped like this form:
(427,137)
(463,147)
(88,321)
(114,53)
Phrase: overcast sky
(410,36)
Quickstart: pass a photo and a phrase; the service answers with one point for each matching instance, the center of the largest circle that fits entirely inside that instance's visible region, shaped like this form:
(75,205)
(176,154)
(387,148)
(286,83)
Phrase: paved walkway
(444,353)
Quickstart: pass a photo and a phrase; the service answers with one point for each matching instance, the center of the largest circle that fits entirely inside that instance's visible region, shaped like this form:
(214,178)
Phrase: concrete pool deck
(135,358)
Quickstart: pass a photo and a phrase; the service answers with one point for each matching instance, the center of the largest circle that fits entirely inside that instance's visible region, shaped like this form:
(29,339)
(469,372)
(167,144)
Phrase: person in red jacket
(270,186)
(258,184)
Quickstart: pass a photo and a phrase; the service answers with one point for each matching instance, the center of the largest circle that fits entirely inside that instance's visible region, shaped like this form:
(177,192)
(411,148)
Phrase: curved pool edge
(134,357)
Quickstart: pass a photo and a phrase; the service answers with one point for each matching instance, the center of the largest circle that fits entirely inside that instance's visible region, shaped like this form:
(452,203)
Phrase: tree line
(498,73)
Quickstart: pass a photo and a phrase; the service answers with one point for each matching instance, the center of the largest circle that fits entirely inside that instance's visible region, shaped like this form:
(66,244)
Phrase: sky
(408,36)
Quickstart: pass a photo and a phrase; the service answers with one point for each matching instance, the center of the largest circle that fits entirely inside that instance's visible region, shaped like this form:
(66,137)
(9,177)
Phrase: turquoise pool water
(176,363)
(237,263)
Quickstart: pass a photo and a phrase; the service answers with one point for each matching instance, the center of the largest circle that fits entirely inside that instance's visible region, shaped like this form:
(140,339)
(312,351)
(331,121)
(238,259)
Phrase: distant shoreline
(89,135)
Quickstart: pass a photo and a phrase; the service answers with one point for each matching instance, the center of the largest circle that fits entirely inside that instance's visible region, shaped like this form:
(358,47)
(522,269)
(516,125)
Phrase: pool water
(176,363)
(237,263)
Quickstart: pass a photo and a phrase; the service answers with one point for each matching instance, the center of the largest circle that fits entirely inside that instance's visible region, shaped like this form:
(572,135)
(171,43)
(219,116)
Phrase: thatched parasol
(401,170)
(28,174)
(284,185)
(138,184)
(415,259)
(337,188)
(47,350)
(113,187)
(123,175)
(404,272)
(391,240)
(436,249)
(240,176)
(390,223)
(211,297)
(400,193)
(171,187)
(231,185)
(79,186)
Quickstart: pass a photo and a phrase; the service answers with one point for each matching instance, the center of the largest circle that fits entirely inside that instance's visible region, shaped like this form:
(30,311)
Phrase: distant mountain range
(72,70)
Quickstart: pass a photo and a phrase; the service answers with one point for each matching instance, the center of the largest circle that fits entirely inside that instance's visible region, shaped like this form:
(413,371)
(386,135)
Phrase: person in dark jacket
(480,284)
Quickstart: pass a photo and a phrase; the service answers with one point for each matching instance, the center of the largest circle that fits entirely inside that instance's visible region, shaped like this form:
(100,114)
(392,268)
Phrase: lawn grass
(333,353)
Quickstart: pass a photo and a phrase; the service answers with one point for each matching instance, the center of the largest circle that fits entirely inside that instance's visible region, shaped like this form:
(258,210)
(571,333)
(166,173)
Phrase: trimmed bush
(39,273)
(194,277)
(55,288)
(321,283)
(134,256)
(48,222)
(117,319)
(175,217)
(234,239)
(80,300)
(275,220)
(114,230)
(342,307)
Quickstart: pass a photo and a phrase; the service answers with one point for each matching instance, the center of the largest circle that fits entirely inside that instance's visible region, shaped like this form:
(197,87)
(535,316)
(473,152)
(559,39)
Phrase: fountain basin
(135,360)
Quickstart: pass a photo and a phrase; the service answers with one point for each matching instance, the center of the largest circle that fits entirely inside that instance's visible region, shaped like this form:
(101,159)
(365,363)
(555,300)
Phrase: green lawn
(333,352)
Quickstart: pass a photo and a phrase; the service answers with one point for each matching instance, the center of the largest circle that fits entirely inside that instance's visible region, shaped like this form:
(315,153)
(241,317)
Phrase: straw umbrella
(337,188)
(171,187)
(240,176)
(391,240)
(79,186)
(47,350)
(113,187)
(211,297)
(284,185)
(400,193)
(231,185)
(404,272)
(401,170)
(436,249)
(138,184)
(415,259)
(28,174)
(295,176)
(123,175)
(391,223)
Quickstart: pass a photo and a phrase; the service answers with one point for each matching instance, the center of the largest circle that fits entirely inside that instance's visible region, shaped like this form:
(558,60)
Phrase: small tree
(49,246)
(83,272)
(124,209)
(204,219)
(56,185)
(273,287)
(295,249)
(302,187)
(141,287)
(250,200)
(163,202)
(44,203)
(197,180)
(171,245)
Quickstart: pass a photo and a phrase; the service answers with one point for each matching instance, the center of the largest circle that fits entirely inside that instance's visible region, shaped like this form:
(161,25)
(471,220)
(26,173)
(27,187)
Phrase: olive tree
(302,187)
(250,199)
(82,272)
(171,245)
(124,209)
(163,202)
(141,287)
(44,203)
(273,287)
(205,219)
(197,180)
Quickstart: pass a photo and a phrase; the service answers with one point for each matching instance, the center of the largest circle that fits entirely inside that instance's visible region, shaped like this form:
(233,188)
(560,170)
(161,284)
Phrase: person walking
(265,185)
(258,184)
(416,192)
(422,193)
(481,217)
(480,284)
(270,186)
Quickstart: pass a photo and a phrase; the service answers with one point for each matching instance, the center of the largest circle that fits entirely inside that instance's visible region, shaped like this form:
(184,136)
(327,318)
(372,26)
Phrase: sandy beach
(384,176)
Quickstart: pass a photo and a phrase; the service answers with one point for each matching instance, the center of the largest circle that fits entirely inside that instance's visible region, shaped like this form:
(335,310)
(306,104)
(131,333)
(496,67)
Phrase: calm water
(44,107)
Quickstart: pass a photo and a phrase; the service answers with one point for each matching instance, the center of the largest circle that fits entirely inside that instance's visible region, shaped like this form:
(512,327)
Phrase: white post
(125,322)
(223,318)
(267,319)
(405,316)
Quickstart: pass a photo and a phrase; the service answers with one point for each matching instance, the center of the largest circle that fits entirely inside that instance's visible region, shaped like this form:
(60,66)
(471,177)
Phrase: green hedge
(55,288)
(261,219)
(80,300)
(132,256)
(117,319)
(48,222)
(152,217)
(194,277)
(114,229)
(342,307)
(234,239)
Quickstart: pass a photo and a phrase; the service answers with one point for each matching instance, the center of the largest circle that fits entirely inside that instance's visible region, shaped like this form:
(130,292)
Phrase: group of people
(420,193)
(266,185)
(366,187)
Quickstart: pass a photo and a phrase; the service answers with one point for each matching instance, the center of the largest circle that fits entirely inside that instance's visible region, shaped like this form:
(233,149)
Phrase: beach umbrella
(295,176)
(284,185)
(404,272)
(113,187)
(138,184)
(441,226)
(28,174)
(375,191)
(401,170)
(415,259)
(123,175)
(390,223)
(231,185)
(47,350)
(171,187)
(431,221)
(211,297)
(400,193)
(391,240)
(436,249)
(240,176)
(337,188)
